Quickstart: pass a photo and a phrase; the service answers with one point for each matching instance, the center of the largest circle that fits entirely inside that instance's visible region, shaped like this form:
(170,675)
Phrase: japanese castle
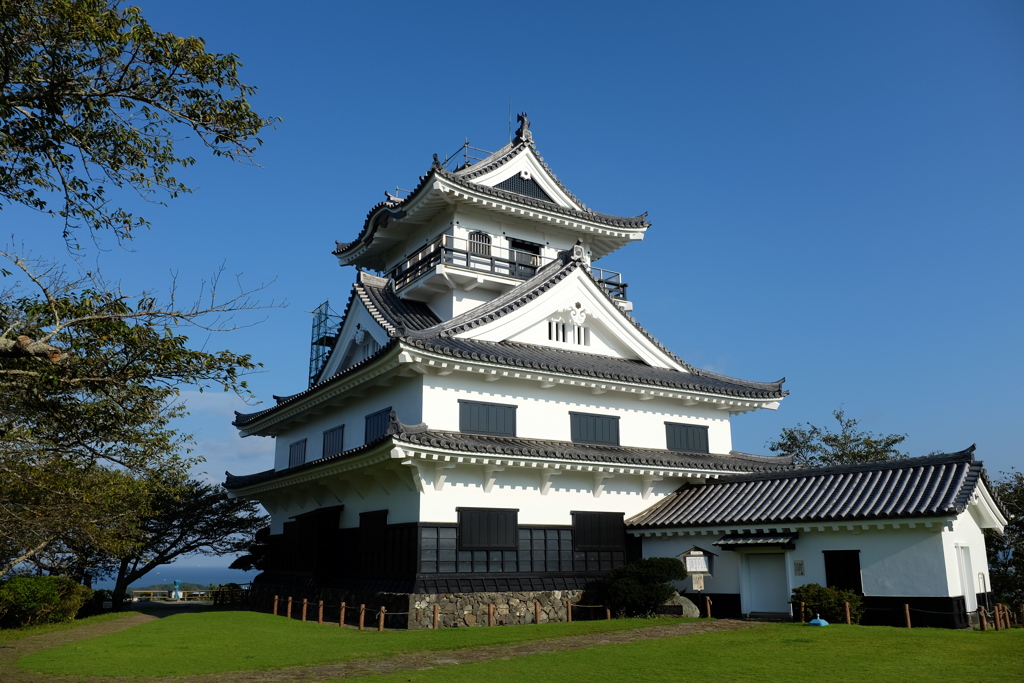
(486,418)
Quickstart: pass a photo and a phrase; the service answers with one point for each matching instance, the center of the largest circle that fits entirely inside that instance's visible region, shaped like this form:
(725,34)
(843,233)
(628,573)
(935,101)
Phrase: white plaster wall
(520,488)
(552,238)
(894,562)
(544,413)
(404,397)
(967,531)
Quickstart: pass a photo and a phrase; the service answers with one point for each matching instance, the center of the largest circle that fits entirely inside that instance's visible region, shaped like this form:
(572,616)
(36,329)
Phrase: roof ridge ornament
(523,133)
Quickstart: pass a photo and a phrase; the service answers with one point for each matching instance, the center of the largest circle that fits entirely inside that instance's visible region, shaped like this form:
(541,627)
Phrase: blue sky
(837,189)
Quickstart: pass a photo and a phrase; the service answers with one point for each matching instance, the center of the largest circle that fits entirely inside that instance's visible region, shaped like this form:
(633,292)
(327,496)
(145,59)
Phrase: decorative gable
(359,338)
(575,315)
(524,184)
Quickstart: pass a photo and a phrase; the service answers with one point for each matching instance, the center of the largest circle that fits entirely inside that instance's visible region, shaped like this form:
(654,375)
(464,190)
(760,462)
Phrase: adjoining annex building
(486,417)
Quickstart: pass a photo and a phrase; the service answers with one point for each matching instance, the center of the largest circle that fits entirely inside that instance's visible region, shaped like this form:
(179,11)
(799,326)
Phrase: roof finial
(523,133)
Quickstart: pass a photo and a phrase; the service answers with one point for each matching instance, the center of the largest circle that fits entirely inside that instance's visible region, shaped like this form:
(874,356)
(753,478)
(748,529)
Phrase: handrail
(521,265)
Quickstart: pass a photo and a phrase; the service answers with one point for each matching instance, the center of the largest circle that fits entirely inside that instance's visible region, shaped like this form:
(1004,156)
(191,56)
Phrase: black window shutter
(297,453)
(599,530)
(488,529)
(594,429)
(686,437)
(377,424)
(334,441)
(487,418)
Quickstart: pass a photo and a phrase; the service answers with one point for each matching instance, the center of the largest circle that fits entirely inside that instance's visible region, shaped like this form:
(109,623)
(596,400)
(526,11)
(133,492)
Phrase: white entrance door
(768,589)
(967,578)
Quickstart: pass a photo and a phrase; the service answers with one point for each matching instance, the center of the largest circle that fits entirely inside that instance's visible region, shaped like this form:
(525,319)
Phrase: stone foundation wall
(471,609)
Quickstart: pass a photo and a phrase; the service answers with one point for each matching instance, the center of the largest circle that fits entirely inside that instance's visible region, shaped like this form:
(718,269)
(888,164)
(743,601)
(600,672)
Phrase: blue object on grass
(818,622)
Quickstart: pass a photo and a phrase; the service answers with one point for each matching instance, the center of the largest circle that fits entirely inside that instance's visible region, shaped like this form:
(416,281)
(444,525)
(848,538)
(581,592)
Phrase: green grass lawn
(777,652)
(216,642)
(9,634)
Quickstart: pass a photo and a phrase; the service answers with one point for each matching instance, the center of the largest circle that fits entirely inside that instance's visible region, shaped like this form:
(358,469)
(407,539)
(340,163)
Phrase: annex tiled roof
(932,486)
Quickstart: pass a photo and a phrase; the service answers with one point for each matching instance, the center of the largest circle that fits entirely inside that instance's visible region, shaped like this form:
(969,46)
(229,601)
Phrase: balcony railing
(473,255)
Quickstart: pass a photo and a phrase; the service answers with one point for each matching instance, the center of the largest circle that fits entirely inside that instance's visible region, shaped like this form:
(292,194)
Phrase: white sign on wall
(698,582)
(697,563)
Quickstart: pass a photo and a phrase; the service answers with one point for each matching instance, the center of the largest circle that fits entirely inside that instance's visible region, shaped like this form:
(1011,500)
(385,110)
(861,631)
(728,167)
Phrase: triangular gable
(359,337)
(575,315)
(519,169)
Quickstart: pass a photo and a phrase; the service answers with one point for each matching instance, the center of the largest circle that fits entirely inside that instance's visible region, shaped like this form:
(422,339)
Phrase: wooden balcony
(506,265)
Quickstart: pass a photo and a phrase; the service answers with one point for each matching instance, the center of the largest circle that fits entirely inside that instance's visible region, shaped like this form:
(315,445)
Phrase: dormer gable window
(572,331)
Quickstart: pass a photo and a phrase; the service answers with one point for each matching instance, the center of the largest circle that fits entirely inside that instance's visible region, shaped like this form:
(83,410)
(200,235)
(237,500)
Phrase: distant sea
(187,574)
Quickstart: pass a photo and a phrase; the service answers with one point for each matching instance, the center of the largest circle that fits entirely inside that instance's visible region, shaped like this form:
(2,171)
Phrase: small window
(599,530)
(594,429)
(567,333)
(488,529)
(684,437)
(487,418)
(334,441)
(377,425)
(479,244)
(297,453)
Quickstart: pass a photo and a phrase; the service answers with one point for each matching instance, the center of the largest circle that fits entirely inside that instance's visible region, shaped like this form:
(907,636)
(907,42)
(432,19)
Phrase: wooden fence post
(608,613)
(803,606)
(380,618)
(320,613)
(305,604)
(362,615)
(847,613)
(906,613)
(1021,614)
(341,614)
(982,617)
(568,609)
(289,613)
(490,614)
(275,605)
(707,607)
(436,613)
(536,611)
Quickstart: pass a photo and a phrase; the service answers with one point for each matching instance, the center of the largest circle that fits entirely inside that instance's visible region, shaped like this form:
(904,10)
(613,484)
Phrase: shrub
(33,600)
(638,588)
(828,602)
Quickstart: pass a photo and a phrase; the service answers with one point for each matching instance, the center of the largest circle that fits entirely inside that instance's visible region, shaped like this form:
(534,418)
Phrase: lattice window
(479,243)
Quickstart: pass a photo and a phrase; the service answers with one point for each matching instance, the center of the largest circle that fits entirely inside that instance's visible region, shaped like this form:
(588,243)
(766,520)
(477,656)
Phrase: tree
(639,587)
(185,518)
(197,519)
(816,446)
(88,381)
(257,554)
(92,97)
(1006,550)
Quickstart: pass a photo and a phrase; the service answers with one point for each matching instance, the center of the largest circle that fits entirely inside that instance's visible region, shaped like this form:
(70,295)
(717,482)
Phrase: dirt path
(354,669)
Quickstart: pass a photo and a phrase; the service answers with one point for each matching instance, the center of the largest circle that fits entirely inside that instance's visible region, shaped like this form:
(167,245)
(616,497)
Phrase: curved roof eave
(381,215)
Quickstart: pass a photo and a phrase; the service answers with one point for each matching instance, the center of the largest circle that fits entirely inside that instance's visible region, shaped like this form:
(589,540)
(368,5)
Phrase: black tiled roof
(391,208)
(419,435)
(932,486)
(392,312)
(566,450)
(594,366)
(415,324)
